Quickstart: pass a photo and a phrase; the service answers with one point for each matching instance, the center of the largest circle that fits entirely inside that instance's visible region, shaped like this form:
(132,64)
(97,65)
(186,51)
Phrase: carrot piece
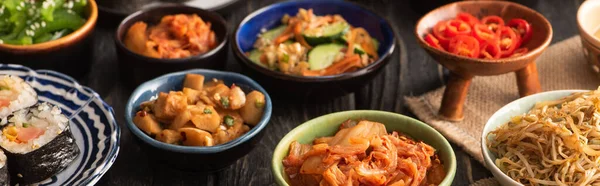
(298,35)
(343,65)
(282,38)
(320,21)
(351,38)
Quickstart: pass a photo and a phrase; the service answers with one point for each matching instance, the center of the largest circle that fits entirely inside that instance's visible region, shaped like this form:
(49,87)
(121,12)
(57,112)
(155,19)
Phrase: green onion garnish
(228,120)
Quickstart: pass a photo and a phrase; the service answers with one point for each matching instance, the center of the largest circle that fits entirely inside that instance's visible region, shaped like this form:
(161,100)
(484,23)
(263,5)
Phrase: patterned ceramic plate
(92,123)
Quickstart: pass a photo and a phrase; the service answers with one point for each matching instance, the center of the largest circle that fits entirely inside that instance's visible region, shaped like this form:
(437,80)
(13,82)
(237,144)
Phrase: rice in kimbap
(15,94)
(4,176)
(38,142)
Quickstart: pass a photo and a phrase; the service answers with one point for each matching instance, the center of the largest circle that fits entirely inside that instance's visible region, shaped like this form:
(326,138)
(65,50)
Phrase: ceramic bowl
(502,116)
(270,16)
(542,35)
(588,22)
(93,123)
(328,125)
(138,68)
(204,159)
(70,54)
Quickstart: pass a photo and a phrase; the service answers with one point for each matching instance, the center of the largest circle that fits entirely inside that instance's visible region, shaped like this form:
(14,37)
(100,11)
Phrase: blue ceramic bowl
(196,158)
(270,17)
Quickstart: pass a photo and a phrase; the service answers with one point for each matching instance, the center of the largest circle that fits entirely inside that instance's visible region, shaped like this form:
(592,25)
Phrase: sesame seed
(37,25)
(43,23)
(1,41)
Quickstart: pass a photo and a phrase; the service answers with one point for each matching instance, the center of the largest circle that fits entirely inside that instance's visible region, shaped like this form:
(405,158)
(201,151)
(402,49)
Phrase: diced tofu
(147,123)
(194,81)
(168,106)
(169,136)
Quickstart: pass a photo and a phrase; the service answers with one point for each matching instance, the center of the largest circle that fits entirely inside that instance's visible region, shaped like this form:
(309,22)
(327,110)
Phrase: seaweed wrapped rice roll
(4,176)
(38,142)
(15,94)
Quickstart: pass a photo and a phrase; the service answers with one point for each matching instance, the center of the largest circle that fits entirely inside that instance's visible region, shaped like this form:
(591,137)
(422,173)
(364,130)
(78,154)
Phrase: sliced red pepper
(457,27)
(482,33)
(493,22)
(521,27)
(508,40)
(464,45)
(490,50)
(468,18)
(439,31)
(519,52)
(433,42)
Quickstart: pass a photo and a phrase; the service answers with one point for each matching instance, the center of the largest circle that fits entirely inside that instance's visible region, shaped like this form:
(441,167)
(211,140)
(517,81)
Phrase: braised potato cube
(147,123)
(193,96)
(207,119)
(196,137)
(194,81)
(253,109)
(169,136)
(181,120)
(169,105)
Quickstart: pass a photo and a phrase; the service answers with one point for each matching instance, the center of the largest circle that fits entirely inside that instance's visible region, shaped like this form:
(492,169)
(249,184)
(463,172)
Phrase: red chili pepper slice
(519,52)
(482,33)
(468,18)
(508,40)
(464,45)
(490,50)
(521,27)
(433,42)
(457,27)
(493,22)
(439,31)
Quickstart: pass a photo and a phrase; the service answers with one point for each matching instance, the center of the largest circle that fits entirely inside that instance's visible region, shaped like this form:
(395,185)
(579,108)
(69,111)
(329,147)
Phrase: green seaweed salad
(25,22)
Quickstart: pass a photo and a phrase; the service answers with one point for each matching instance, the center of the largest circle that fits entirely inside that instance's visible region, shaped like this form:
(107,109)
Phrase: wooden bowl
(463,69)
(71,54)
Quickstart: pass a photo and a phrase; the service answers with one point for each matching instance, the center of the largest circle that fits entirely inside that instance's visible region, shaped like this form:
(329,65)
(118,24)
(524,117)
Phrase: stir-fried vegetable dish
(363,153)
(488,38)
(25,22)
(202,114)
(555,143)
(176,36)
(311,45)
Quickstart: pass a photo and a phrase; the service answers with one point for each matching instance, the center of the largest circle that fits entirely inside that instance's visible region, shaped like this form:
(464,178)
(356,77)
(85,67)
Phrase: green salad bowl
(328,125)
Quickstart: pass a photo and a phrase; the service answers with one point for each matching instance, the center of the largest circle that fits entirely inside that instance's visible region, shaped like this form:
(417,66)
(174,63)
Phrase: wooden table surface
(410,72)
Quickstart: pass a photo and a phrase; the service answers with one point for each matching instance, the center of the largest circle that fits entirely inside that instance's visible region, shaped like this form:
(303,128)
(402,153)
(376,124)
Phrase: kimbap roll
(4,176)
(38,142)
(15,94)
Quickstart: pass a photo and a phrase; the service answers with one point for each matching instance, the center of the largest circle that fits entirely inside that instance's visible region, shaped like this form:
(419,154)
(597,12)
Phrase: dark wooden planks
(410,72)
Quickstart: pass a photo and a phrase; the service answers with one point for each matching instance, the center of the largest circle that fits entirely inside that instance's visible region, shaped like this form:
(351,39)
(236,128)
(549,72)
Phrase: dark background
(410,72)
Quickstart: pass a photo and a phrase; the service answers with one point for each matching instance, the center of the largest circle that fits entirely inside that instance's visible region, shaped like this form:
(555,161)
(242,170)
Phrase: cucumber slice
(322,56)
(254,55)
(359,50)
(273,33)
(326,34)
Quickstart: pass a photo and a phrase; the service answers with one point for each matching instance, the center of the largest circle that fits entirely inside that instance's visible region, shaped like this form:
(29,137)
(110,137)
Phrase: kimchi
(363,153)
(176,36)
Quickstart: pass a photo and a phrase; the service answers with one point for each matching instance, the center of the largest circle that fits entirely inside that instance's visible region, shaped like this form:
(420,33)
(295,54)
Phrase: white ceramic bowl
(503,115)
(588,22)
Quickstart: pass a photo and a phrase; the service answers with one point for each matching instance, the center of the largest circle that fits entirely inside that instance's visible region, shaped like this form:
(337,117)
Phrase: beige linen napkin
(562,66)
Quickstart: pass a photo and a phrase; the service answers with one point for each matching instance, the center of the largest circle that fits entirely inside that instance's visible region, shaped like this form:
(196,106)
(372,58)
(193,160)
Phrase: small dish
(204,159)
(464,69)
(138,68)
(589,23)
(94,127)
(270,16)
(113,11)
(327,125)
(502,116)
(70,54)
